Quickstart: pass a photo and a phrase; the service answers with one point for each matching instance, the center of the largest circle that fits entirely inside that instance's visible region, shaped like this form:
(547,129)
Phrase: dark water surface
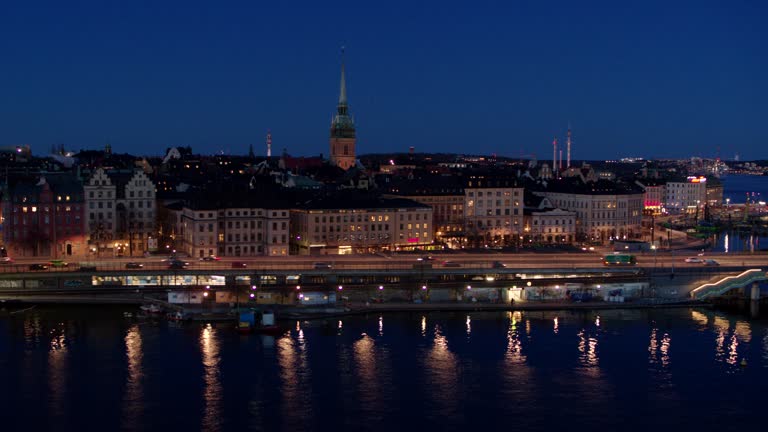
(94,369)
(737,187)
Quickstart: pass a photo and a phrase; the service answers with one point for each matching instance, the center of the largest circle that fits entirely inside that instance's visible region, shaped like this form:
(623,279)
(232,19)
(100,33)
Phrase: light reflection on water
(425,366)
(212,393)
(295,378)
(441,374)
(58,359)
(133,398)
(368,366)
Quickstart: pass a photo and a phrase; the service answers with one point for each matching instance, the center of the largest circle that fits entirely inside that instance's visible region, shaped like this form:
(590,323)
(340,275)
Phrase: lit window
(34,209)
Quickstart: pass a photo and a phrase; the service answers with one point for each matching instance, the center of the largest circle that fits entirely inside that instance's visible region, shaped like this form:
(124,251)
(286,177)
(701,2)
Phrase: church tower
(342,129)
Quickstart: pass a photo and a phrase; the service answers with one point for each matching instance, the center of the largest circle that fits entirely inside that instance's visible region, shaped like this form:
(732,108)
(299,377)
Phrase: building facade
(493,211)
(686,197)
(331,227)
(553,226)
(233,231)
(45,217)
(121,213)
(604,210)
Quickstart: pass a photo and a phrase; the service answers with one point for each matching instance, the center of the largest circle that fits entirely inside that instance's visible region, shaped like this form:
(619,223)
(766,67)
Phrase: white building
(604,210)
(120,212)
(493,210)
(685,197)
(206,230)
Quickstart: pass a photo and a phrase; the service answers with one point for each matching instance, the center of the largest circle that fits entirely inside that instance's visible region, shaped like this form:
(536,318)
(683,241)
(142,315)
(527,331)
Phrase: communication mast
(269,143)
(568,160)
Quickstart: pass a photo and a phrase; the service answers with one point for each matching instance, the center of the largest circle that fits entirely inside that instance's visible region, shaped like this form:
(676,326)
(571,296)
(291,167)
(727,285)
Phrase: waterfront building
(445,195)
(542,223)
(493,210)
(604,210)
(653,195)
(342,139)
(44,217)
(359,223)
(686,196)
(120,212)
(235,226)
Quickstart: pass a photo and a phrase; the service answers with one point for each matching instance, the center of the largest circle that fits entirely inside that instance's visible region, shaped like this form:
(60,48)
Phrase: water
(74,368)
(736,187)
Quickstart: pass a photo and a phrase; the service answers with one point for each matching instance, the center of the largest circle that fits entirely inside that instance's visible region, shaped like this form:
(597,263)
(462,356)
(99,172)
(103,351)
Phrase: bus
(619,259)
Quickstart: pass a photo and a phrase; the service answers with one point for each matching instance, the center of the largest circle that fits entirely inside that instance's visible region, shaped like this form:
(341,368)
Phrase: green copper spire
(342,124)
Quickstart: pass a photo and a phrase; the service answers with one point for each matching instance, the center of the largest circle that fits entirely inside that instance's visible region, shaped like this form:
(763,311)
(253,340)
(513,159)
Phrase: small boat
(268,324)
(152,309)
(175,316)
(244,327)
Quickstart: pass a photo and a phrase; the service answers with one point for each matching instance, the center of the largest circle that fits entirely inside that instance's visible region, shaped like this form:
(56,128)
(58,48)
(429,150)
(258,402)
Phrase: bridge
(744,279)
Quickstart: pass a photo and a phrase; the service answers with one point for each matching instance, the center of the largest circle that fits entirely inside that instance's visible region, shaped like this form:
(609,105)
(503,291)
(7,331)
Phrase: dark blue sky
(634,78)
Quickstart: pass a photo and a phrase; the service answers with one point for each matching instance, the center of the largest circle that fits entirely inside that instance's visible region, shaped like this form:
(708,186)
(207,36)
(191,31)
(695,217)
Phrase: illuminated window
(24,209)
(34,209)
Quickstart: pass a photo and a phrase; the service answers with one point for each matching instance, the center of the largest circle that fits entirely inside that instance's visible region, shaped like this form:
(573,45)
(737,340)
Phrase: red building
(44,217)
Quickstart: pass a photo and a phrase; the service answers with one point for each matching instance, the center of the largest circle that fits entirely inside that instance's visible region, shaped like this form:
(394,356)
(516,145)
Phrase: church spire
(342,141)
(343,86)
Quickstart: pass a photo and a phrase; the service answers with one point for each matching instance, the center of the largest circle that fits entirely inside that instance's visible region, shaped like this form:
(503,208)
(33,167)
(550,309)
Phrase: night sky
(633,78)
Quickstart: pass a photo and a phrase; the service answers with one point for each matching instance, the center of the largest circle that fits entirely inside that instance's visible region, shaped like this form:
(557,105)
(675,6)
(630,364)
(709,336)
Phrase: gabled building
(121,213)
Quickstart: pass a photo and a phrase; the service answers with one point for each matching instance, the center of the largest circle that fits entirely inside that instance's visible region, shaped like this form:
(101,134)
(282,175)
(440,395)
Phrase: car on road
(451,264)
(38,267)
(177,265)
(6,260)
(498,265)
(322,265)
(134,265)
(695,260)
(425,258)
(58,263)
(710,262)
(238,264)
(210,258)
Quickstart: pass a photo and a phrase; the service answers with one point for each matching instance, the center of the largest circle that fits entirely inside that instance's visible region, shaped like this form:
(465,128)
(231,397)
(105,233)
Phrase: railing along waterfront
(728,283)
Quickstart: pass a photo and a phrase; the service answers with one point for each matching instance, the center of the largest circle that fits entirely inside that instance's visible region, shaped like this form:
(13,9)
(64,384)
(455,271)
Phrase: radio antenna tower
(554,155)
(568,160)
(269,143)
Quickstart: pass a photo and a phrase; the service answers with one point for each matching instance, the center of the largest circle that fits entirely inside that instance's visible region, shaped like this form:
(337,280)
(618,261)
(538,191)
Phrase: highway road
(398,261)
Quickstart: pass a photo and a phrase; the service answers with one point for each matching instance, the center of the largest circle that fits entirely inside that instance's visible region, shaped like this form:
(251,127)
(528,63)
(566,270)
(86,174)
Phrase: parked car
(451,264)
(711,262)
(694,260)
(38,267)
(210,258)
(322,265)
(58,263)
(134,265)
(498,265)
(238,264)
